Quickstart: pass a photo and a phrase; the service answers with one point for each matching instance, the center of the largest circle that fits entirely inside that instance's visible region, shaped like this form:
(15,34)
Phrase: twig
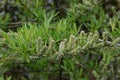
(109,42)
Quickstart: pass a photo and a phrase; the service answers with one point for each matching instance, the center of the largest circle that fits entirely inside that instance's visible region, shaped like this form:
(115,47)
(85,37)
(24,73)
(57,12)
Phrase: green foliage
(83,50)
(76,40)
(4,21)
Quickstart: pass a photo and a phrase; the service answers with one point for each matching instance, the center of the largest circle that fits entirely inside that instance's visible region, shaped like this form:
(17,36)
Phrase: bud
(62,46)
(75,42)
(86,46)
(51,43)
(75,51)
(82,33)
(71,40)
(81,37)
(105,37)
(94,38)
(89,36)
(38,44)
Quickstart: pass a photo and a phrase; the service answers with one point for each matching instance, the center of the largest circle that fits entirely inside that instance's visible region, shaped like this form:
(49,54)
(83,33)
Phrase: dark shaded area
(18,72)
(109,4)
